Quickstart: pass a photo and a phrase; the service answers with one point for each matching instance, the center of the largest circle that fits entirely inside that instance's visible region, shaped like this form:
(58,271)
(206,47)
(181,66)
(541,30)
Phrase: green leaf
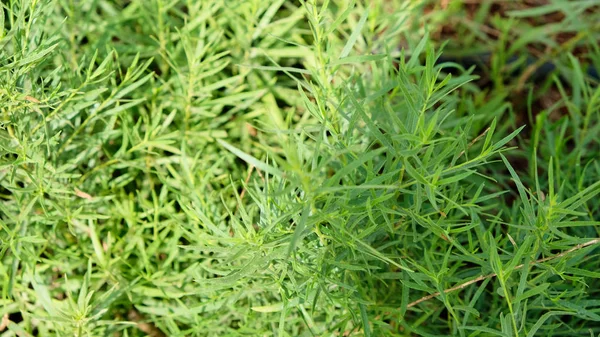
(506,139)
(540,322)
(358,59)
(251,160)
(355,35)
(532,292)
(365,319)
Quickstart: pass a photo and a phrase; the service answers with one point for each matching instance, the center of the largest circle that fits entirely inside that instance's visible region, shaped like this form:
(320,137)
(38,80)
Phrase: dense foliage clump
(283,168)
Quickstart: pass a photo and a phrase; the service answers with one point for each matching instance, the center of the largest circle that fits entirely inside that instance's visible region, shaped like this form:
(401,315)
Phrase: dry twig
(484,277)
(474,141)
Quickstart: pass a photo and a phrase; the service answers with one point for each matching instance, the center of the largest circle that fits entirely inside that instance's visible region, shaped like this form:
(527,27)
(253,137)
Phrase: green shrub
(251,168)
